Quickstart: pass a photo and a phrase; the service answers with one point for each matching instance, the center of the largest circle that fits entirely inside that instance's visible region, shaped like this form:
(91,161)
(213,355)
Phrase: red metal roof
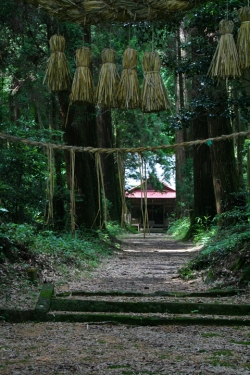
(152,194)
(166,193)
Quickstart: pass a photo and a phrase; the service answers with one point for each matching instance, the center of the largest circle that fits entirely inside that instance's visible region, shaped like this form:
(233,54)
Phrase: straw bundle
(57,72)
(83,86)
(144,200)
(50,185)
(72,191)
(225,62)
(121,177)
(243,41)
(101,191)
(128,93)
(108,80)
(98,11)
(154,93)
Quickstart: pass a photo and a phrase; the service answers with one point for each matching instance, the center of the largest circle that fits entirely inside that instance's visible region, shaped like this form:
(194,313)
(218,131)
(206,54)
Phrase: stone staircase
(134,308)
(158,308)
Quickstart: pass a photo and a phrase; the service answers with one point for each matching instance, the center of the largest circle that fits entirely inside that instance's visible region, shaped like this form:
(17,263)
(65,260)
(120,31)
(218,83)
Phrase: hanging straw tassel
(50,185)
(83,85)
(144,197)
(103,210)
(128,93)
(72,192)
(57,72)
(243,41)
(225,63)
(121,176)
(154,93)
(108,80)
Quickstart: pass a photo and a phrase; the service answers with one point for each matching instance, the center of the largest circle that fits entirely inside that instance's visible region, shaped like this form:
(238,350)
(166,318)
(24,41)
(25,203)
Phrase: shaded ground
(56,348)
(145,265)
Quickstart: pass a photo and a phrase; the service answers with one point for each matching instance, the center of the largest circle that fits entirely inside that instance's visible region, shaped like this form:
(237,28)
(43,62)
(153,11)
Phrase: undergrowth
(225,254)
(53,254)
(179,228)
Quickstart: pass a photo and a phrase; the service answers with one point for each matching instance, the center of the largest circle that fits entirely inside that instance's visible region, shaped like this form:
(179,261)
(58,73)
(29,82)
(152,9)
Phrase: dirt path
(145,265)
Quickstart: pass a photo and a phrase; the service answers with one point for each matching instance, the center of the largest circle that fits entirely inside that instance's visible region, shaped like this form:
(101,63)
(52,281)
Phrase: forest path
(104,348)
(144,265)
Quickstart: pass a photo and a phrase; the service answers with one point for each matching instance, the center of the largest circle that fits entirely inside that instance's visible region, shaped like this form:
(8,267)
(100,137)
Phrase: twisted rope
(94,150)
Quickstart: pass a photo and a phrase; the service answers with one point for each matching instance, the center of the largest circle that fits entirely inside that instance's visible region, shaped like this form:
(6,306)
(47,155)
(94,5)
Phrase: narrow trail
(145,265)
(103,347)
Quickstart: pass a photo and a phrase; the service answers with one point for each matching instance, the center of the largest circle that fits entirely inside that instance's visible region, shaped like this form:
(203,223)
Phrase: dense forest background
(211,179)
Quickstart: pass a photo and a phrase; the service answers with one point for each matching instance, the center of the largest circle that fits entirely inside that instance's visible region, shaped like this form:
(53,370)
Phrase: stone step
(161,293)
(146,320)
(143,312)
(62,304)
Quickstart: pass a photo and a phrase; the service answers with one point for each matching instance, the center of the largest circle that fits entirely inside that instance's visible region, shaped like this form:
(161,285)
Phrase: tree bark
(204,199)
(105,140)
(180,133)
(239,141)
(225,175)
(60,185)
(81,130)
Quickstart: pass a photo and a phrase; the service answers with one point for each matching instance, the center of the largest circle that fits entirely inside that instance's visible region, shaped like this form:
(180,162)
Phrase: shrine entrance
(160,206)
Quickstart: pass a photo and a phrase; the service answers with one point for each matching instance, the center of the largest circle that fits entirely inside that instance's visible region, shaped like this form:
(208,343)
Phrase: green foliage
(226,249)
(30,111)
(111,232)
(185,188)
(245,278)
(179,228)
(114,229)
(21,183)
(227,240)
(134,129)
(203,230)
(21,233)
(186,273)
(24,240)
(24,173)
(84,246)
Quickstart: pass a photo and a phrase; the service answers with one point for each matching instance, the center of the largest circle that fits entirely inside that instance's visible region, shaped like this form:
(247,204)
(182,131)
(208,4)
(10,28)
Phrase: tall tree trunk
(248,168)
(60,186)
(81,130)
(105,140)
(246,89)
(239,141)
(180,133)
(225,175)
(204,199)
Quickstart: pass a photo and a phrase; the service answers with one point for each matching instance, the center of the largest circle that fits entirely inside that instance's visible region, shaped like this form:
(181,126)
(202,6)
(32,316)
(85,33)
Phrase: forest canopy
(211,178)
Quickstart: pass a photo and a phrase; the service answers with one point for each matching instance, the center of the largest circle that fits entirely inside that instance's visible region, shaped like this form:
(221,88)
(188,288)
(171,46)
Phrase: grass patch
(118,366)
(164,356)
(208,334)
(221,358)
(57,256)
(223,352)
(241,342)
(224,255)
(220,362)
(179,228)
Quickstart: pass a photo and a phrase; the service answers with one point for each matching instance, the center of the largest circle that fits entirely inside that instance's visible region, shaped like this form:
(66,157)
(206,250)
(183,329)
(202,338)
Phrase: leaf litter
(145,265)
